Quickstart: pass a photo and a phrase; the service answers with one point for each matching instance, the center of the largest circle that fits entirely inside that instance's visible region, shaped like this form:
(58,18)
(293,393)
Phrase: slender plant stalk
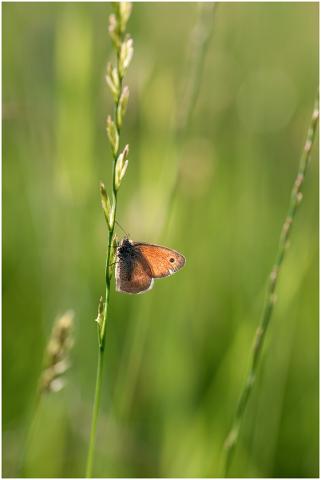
(200,37)
(28,435)
(296,196)
(95,413)
(124,51)
(55,364)
(190,87)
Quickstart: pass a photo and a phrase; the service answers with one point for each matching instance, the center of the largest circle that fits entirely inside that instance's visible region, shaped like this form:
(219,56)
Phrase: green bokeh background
(176,357)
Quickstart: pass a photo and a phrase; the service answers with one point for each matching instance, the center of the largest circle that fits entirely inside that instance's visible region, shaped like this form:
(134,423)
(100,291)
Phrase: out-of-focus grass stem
(190,87)
(29,434)
(56,362)
(296,197)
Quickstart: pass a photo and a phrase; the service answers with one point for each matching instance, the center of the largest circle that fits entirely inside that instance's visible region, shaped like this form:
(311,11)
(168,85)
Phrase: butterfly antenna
(112,264)
(122,229)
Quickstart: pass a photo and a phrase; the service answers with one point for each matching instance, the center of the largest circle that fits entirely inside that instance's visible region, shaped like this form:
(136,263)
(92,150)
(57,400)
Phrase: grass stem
(124,51)
(198,43)
(95,413)
(296,196)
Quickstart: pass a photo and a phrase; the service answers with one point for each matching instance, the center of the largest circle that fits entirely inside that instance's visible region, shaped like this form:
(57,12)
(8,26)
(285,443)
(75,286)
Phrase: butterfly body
(139,263)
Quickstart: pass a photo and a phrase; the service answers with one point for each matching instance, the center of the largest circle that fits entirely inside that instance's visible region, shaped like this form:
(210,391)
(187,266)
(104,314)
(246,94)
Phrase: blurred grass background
(175,358)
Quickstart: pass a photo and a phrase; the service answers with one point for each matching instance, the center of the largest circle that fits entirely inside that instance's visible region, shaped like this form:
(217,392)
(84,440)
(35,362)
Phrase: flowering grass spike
(123,45)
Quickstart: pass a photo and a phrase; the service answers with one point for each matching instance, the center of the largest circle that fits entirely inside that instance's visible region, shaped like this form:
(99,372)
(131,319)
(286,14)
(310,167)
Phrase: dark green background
(175,357)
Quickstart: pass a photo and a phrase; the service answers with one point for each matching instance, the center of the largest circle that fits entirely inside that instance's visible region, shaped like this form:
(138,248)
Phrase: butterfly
(139,263)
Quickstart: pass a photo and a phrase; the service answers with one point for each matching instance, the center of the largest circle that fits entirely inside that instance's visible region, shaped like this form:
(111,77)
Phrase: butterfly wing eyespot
(162,261)
(139,263)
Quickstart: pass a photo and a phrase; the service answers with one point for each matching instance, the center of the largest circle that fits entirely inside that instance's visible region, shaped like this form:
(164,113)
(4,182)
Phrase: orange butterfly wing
(162,261)
(133,276)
